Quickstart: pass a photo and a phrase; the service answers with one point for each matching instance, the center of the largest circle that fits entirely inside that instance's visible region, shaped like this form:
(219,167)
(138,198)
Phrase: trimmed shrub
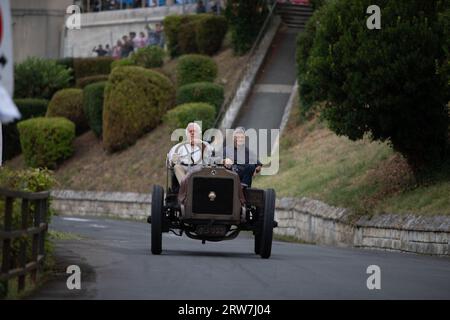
(39,78)
(180,116)
(29,108)
(390,82)
(68,103)
(245,19)
(46,141)
(207,92)
(172,26)
(83,82)
(210,33)
(122,62)
(93,95)
(135,101)
(200,33)
(187,38)
(148,57)
(193,68)
(85,67)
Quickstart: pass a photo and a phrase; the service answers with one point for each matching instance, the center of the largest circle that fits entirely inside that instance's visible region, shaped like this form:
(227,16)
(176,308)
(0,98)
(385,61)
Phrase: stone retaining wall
(305,219)
(314,221)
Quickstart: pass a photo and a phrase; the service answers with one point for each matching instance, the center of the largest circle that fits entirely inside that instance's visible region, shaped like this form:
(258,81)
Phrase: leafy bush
(390,82)
(182,115)
(207,92)
(148,57)
(122,63)
(83,82)
(245,19)
(172,27)
(39,78)
(28,108)
(210,34)
(187,39)
(93,95)
(135,101)
(68,103)
(200,33)
(85,67)
(26,180)
(195,68)
(68,64)
(46,141)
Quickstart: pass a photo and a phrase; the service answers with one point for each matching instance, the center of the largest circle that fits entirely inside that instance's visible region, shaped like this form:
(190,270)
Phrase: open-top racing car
(213,209)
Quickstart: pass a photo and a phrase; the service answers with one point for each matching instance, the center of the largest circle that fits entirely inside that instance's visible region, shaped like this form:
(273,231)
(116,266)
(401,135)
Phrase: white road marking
(77,219)
(273,88)
(99,226)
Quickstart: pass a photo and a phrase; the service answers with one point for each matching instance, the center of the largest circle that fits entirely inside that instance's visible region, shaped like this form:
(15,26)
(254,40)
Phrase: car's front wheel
(157,218)
(267,224)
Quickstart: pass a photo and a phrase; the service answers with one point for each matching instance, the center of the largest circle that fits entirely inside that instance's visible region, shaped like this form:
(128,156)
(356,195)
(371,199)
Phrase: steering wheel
(186,156)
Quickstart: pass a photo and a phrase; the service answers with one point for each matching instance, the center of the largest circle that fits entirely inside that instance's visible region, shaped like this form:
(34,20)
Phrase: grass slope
(363,175)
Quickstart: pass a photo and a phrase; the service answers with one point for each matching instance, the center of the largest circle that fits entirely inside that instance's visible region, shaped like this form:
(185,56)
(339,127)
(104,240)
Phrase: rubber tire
(267,223)
(157,218)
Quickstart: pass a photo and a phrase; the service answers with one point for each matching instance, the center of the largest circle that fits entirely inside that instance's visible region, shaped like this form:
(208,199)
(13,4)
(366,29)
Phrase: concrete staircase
(294,15)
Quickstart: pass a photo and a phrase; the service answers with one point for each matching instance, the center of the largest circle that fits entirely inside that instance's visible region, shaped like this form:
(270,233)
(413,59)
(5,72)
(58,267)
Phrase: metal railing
(247,63)
(33,226)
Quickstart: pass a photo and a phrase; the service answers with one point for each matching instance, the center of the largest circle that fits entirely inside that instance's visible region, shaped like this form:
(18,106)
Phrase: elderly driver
(187,157)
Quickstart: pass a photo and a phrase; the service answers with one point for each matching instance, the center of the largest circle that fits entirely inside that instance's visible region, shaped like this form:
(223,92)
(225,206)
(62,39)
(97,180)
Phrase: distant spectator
(153,38)
(127,47)
(117,50)
(160,35)
(132,41)
(200,7)
(97,6)
(142,40)
(216,8)
(108,50)
(100,51)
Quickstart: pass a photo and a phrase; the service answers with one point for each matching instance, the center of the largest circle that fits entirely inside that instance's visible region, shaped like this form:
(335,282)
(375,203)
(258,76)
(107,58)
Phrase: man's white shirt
(190,155)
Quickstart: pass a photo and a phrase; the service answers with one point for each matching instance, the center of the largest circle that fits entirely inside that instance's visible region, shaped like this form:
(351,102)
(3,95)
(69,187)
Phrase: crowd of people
(132,42)
(106,5)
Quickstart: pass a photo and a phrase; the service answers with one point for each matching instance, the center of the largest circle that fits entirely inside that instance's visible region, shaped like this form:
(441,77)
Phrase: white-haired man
(189,156)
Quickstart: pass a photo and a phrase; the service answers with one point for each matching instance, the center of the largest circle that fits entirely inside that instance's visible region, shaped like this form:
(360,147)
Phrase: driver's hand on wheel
(228,163)
(175,159)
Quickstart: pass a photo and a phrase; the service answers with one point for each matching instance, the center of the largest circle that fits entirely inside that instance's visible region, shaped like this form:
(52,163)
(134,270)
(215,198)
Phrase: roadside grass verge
(365,176)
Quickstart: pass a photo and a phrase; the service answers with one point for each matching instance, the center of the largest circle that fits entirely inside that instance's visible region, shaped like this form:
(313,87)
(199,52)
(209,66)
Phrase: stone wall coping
(407,222)
(102,196)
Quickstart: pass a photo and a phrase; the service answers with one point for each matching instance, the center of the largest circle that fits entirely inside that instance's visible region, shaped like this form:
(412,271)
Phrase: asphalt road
(116,263)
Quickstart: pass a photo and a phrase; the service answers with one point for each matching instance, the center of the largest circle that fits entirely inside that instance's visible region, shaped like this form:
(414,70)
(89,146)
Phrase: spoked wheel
(267,224)
(157,218)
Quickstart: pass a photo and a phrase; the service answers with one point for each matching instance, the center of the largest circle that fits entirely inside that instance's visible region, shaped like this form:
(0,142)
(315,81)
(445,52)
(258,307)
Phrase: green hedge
(39,78)
(193,68)
(93,95)
(245,19)
(172,27)
(85,67)
(207,92)
(210,34)
(83,82)
(200,33)
(68,64)
(135,101)
(29,108)
(122,63)
(46,141)
(187,38)
(148,57)
(182,115)
(68,103)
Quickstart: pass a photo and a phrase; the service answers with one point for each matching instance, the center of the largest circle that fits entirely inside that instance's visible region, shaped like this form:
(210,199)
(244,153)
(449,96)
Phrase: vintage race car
(213,209)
